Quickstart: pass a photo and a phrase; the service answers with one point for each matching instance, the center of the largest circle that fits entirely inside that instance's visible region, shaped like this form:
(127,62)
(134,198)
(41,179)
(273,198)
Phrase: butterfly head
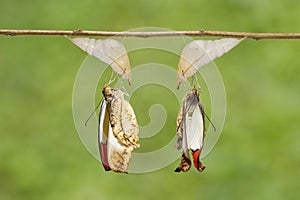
(107,93)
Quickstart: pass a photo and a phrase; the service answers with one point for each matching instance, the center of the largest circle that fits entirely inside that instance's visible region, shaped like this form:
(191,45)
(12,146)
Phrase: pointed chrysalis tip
(243,38)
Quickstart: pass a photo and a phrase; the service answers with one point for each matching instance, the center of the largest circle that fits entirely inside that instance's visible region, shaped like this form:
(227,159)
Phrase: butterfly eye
(107,93)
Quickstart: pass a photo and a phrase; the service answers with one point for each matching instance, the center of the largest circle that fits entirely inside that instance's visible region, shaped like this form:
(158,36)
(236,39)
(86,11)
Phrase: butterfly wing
(194,126)
(103,132)
(118,155)
(196,134)
(179,134)
(123,120)
(185,162)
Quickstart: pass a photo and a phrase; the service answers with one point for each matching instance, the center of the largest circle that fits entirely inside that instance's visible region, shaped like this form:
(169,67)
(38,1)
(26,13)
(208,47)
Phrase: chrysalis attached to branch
(199,53)
(190,132)
(110,51)
(118,131)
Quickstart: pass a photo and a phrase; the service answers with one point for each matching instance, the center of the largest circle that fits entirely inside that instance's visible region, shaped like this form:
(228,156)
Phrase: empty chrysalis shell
(110,51)
(199,53)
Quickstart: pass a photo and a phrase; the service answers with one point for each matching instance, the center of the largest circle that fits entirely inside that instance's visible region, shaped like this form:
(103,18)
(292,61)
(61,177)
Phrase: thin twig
(198,33)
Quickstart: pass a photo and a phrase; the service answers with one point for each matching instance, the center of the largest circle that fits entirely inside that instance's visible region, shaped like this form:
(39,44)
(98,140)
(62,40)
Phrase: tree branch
(198,33)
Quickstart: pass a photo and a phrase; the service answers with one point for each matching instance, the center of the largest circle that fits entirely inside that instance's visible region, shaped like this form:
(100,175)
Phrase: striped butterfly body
(190,132)
(117,132)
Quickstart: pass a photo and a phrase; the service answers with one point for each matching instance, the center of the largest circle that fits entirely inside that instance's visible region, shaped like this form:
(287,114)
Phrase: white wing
(102,129)
(114,155)
(201,52)
(109,51)
(194,127)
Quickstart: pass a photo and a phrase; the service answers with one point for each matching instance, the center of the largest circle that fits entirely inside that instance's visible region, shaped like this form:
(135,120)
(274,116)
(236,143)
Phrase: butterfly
(190,131)
(117,132)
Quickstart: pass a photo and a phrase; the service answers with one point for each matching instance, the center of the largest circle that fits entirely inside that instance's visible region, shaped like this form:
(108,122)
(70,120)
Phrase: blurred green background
(256,157)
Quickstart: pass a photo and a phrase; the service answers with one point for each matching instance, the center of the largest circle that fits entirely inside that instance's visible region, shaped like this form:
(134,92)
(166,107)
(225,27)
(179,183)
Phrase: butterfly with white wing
(117,132)
(190,132)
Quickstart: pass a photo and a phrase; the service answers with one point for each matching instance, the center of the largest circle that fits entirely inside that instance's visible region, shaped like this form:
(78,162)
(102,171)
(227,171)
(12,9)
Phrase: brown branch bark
(197,33)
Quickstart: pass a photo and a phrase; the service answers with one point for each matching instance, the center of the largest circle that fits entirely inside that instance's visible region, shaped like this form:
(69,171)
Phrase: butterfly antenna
(119,82)
(90,116)
(210,121)
(112,78)
(125,91)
